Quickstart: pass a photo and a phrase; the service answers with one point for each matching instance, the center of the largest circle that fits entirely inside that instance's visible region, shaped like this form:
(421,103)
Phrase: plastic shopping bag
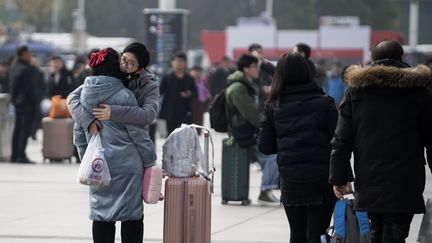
(93,169)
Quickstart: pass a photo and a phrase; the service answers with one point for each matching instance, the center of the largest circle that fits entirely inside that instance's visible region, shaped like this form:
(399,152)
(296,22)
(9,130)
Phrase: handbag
(58,107)
(152,184)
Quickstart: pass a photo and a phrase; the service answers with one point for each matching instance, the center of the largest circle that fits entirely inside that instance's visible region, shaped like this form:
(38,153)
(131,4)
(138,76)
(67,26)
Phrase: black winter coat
(23,94)
(385,119)
(175,107)
(299,129)
(64,86)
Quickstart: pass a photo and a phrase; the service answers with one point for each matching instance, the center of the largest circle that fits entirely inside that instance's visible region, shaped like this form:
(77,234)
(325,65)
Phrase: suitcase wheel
(246,202)
(224,202)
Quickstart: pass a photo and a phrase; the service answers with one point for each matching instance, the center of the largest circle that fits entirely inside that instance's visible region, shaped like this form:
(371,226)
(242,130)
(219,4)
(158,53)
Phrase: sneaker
(267,198)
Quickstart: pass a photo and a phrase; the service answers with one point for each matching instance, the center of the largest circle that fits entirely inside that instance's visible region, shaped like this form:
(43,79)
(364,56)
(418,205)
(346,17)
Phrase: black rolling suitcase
(235,172)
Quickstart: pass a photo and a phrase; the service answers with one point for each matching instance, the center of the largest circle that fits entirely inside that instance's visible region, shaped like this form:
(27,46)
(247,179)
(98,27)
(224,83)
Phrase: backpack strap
(339,218)
(363,222)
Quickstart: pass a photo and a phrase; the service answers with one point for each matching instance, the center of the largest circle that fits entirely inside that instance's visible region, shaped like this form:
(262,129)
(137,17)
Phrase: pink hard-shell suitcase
(187,208)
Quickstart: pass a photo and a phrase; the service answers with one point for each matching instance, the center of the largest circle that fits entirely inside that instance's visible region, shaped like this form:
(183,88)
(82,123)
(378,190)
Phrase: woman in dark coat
(61,81)
(298,124)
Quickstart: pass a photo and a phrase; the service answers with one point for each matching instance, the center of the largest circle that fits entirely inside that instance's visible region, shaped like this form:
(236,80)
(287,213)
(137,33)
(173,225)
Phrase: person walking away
(300,118)
(60,81)
(178,89)
(385,121)
(244,122)
(217,79)
(24,99)
(201,101)
(128,151)
(305,50)
(334,85)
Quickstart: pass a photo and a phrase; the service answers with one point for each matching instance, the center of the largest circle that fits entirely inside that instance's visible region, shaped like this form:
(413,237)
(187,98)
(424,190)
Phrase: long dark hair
(291,69)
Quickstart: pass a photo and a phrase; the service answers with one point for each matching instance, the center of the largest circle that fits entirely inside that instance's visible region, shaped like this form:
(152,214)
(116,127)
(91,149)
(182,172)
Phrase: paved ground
(44,203)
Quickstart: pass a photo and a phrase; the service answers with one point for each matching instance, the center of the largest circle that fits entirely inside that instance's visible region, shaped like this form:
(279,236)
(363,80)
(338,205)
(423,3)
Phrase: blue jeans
(270,176)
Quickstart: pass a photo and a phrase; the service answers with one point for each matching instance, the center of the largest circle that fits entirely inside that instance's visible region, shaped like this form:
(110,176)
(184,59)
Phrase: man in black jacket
(178,89)
(24,99)
(385,120)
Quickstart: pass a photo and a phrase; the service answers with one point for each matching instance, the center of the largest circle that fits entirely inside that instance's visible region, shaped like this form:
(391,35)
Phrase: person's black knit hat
(141,53)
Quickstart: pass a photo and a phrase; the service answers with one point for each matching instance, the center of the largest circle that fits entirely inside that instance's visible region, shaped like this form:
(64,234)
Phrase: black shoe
(267,198)
(24,161)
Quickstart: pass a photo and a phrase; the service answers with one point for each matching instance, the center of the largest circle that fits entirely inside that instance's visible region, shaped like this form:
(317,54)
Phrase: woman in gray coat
(128,150)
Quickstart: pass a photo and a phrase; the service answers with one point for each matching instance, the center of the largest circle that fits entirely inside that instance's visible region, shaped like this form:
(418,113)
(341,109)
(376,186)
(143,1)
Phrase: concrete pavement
(44,203)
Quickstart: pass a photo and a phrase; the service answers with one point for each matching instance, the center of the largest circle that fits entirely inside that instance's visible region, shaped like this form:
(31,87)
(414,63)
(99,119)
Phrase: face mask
(124,78)
(133,75)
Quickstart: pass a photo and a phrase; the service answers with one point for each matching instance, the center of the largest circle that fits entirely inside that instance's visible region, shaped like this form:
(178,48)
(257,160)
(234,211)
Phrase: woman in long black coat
(298,124)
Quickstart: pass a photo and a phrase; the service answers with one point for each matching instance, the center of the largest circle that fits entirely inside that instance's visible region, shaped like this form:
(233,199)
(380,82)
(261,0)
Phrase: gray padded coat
(128,150)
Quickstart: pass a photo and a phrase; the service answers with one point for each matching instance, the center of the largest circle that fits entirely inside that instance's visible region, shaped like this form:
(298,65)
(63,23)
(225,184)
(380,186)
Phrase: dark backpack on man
(218,113)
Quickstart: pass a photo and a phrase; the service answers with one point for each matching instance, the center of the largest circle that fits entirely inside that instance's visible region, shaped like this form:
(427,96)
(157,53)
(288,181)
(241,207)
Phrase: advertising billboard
(166,33)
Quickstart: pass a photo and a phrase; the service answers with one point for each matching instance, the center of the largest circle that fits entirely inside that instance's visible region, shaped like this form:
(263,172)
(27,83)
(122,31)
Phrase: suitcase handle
(207,136)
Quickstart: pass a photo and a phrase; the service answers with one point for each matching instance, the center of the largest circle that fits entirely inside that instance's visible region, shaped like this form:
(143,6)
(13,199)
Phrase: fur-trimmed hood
(357,76)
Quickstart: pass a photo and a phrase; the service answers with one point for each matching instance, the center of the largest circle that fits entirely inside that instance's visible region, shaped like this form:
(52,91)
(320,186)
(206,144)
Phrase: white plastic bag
(93,169)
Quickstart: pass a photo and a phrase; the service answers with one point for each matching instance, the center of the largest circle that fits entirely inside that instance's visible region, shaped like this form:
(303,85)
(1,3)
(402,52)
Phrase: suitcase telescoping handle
(206,157)
(207,137)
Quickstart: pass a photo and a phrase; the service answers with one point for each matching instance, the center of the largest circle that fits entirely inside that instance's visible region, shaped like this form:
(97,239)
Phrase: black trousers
(389,228)
(308,223)
(131,231)
(37,121)
(23,126)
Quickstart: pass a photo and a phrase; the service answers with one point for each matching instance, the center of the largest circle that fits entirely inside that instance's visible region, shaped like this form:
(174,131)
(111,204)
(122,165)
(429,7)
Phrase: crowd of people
(28,86)
(300,121)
